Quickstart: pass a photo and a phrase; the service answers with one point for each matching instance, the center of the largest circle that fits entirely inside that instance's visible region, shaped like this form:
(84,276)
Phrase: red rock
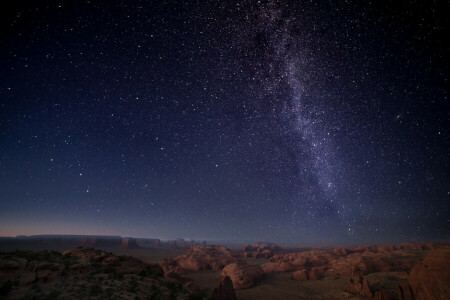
(316,273)
(129,243)
(300,275)
(340,252)
(243,275)
(405,292)
(420,246)
(382,295)
(430,279)
(225,290)
(359,286)
(278,267)
(199,258)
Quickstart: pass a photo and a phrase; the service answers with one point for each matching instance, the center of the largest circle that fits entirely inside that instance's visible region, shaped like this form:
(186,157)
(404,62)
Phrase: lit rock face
(243,275)
(430,279)
(359,286)
(344,262)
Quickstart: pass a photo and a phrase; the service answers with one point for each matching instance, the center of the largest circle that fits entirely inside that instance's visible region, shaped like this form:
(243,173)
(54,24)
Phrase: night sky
(302,122)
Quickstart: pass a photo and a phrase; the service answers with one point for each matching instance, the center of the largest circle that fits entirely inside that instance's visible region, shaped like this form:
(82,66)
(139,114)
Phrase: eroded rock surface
(83,273)
(199,258)
(243,275)
(359,286)
(225,290)
(430,279)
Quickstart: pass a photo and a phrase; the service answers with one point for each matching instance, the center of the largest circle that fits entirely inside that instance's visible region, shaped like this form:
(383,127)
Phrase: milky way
(295,122)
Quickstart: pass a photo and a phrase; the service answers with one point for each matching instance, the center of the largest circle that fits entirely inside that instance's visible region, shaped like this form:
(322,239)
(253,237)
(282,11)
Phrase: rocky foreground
(86,273)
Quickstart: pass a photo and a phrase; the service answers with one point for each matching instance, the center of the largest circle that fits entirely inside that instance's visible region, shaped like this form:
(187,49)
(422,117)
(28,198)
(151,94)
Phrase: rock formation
(382,295)
(83,273)
(344,262)
(359,286)
(405,292)
(225,290)
(260,250)
(300,275)
(199,258)
(129,243)
(243,275)
(430,279)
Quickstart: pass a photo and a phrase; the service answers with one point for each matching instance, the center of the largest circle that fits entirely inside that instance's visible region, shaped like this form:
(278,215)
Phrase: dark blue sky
(308,123)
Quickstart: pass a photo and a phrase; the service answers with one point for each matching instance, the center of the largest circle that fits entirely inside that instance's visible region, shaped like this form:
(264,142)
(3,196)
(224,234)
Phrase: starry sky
(302,122)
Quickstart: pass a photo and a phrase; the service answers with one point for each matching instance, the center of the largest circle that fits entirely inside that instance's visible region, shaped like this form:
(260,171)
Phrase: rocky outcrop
(382,295)
(405,292)
(279,267)
(260,250)
(359,286)
(199,258)
(243,275)
(344,262)
(420,246)
(300,275)
(340,252)
(83,273)
(430,279)
(225,290)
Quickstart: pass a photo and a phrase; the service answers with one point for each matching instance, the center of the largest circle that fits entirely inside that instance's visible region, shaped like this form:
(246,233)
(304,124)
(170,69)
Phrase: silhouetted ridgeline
(61,242)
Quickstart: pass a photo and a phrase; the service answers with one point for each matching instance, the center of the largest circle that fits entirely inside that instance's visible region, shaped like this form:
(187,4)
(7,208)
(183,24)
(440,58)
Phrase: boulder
(225,290)
(359,286)
(243,275)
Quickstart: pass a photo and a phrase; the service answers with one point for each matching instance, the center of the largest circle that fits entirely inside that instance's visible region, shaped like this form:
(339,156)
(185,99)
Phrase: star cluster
(308,122)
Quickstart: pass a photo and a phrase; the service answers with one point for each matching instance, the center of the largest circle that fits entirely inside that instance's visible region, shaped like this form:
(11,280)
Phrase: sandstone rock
(300,275)
(420,246)
(430,279)
(359,286)
(225,290)
(381,295)
(405,292)
(340,251)
(278,267)
(243,275)
(316,273)
(199,258)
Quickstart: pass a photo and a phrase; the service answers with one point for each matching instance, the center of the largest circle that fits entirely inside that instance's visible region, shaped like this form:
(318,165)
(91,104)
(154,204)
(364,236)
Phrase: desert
(130,269)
